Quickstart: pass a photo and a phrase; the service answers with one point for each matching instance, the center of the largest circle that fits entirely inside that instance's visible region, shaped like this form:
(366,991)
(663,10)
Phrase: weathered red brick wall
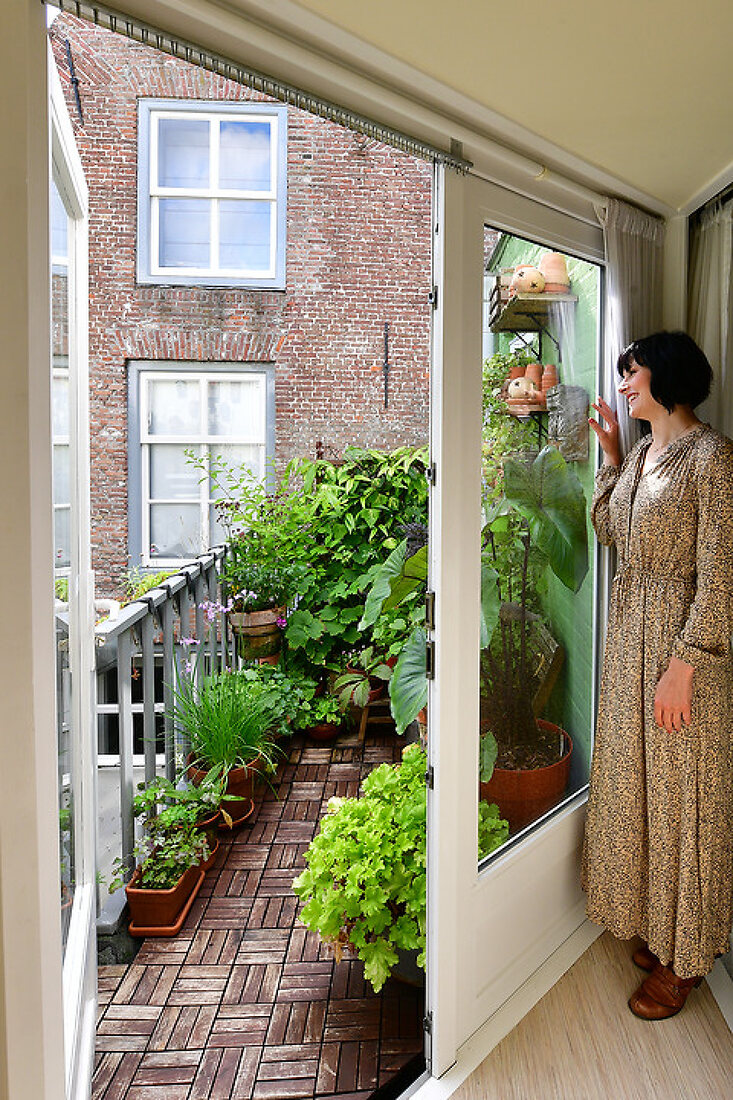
(358,254)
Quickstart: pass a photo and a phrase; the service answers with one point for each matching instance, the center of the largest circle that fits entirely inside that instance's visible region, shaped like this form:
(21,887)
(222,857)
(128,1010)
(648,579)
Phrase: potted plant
(539,523)
(322,717)
(227,723)
(364,680)
(364,884)
(166,880)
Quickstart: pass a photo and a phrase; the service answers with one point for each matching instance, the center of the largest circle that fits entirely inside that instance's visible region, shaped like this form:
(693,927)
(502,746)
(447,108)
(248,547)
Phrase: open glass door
(513,571)
(74,626)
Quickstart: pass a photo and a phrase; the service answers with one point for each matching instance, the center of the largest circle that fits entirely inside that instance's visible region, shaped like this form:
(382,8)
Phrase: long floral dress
(658,854)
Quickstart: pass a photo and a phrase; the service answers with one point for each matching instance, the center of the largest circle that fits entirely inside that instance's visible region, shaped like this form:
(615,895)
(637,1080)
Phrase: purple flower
(282,623)
(189,641)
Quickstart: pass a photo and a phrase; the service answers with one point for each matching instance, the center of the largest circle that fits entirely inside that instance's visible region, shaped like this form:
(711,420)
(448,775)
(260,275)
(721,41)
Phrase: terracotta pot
(240,781)
(162,912)
(516,372)
(549,377)
(524,795)
(534,374)
(324,731)
(258,632)
(555,270)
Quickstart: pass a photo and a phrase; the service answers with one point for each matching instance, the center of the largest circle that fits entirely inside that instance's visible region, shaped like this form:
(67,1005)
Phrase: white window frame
(141,440)
(150,192)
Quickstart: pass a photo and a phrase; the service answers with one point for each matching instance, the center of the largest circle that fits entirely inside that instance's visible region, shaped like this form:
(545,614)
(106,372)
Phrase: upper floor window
(211,193)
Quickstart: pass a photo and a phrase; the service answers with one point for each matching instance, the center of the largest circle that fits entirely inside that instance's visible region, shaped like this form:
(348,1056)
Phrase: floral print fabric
(658,853)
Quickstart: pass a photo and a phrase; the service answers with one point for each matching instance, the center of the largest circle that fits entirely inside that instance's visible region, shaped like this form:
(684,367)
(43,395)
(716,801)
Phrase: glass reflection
(541,347)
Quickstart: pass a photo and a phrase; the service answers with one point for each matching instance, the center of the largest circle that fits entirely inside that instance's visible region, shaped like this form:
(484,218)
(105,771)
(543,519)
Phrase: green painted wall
(570,615)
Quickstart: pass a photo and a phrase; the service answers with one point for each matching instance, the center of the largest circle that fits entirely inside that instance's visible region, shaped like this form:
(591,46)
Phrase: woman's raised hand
(608,436)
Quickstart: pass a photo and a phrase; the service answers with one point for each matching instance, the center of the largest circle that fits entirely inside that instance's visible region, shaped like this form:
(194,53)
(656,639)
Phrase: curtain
(709,305)
(633,297)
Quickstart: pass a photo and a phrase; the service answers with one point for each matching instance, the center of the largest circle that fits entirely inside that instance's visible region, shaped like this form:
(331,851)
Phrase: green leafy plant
(164,857)
(61,589)
(364,884)
(140,581)
(287,694)
(226,719)
(503,435)
(167,805)
(323,709)
(542,512)
(365,672)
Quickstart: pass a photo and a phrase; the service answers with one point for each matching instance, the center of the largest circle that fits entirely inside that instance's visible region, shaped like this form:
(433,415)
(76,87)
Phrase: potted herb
(166,880)
(364,884)
(322,718)
(227,723)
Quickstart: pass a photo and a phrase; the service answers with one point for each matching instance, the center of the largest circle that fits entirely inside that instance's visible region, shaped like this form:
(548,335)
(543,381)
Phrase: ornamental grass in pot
(227,722)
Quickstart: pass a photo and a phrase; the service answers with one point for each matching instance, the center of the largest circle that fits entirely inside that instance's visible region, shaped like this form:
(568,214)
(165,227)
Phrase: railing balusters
(166,616)
(148,654)
(211,595)
(200,591)
(124,698)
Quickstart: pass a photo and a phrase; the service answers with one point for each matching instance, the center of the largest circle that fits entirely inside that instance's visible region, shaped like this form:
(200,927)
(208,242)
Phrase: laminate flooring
(581,1042)
(245,1002)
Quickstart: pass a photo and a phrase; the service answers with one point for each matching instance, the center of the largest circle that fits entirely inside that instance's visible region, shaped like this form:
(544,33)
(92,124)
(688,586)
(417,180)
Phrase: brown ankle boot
(662,994)
(645,959)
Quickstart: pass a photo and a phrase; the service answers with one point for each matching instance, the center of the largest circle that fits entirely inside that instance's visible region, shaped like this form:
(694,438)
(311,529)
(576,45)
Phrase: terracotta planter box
(524,795)
(162,912)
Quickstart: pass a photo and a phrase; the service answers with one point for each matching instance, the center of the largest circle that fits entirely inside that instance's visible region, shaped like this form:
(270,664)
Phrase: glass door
(516,360)
(73,590)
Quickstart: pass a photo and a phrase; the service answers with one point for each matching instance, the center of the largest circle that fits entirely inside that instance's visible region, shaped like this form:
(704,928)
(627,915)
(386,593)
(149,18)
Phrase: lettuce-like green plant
(364,884)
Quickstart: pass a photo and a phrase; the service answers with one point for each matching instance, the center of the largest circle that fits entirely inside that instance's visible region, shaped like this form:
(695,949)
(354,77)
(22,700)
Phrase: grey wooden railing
(148,630)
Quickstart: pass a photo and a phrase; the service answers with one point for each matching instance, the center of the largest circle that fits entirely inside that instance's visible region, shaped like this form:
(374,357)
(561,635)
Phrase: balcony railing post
(149,734)
(124,698)
(168,673)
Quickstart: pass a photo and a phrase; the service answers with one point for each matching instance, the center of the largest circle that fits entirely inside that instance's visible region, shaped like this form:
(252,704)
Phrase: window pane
(60,408)
(237,409)
(242,458)
(175,531)
(244,155)
(62,537)
(61,478)
(185,232)
(183,152)
(59,226)
(174,407)
(171,477)
(244,235)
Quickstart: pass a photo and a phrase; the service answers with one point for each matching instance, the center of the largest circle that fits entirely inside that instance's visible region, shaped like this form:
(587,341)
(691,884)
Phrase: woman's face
(635,386)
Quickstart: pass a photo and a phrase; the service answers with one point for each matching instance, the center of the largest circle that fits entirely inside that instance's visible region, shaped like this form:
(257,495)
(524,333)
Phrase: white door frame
(489,932)
(80,959)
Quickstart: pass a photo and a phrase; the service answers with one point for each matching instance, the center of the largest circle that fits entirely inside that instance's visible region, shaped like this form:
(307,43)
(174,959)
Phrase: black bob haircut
(681,374)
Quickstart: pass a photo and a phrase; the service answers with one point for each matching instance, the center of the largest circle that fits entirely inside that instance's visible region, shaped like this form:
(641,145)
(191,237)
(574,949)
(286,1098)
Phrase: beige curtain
(709,306)
(633,294)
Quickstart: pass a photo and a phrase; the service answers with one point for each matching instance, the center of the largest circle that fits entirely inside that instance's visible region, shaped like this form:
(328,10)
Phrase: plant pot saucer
(247,807)
(142,932)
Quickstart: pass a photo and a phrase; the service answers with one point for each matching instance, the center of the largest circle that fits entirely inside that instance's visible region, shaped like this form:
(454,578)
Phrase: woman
(657,861)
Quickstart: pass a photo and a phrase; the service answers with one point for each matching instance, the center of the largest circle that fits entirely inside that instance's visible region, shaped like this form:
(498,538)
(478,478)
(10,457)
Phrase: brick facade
(358,254)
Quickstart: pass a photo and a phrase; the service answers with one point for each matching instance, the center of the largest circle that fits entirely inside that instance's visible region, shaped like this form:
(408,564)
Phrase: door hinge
(430,777)
(431,473)
(430,660)
(433,297)
(430,611)
(427,1023)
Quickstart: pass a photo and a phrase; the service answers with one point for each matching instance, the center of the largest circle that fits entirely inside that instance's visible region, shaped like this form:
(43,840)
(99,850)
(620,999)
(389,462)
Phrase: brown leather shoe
(645,959)
(661,995)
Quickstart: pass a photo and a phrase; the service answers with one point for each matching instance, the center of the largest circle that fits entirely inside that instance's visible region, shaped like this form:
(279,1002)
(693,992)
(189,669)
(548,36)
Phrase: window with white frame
(212,193)
(216,413)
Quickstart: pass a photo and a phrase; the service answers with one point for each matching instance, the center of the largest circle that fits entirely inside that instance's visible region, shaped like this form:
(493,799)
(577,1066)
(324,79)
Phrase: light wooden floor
(581,1042)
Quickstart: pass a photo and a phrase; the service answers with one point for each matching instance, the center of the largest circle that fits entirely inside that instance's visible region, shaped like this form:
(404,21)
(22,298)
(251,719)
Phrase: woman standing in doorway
(658,856)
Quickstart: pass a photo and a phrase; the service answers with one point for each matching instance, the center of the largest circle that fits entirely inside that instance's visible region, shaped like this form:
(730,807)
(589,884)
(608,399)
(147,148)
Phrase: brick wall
(358,254)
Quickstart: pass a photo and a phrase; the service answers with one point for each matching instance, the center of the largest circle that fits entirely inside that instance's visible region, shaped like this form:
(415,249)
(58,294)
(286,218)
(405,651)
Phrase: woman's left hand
(673,699)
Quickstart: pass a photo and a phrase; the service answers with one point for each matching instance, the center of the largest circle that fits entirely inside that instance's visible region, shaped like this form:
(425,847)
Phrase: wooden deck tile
(245,1003)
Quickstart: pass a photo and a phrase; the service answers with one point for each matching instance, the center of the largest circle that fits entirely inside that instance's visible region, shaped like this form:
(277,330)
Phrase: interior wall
(31,1038)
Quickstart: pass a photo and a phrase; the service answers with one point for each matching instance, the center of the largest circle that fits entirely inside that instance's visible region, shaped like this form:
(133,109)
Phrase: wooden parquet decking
(245,1002)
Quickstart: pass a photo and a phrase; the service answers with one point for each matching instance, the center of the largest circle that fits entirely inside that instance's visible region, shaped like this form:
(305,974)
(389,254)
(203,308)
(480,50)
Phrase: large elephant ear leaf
(408,686)
(381,588)
(550,497)
(414,574)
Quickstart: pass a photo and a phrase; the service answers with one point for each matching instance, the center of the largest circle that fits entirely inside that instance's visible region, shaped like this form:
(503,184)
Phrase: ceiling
(640,89)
